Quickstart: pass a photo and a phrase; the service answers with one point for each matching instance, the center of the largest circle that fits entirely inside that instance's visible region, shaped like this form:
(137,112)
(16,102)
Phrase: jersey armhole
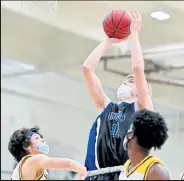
(101,113)
(20,168)
(149,167)
(38,178)
(133,107)
(127,163)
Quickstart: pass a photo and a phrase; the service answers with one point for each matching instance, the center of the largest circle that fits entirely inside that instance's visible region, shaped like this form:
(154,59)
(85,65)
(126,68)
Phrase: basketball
(117,23)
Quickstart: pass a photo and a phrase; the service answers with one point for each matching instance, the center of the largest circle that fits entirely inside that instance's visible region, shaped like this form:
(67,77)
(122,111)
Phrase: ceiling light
(160,15)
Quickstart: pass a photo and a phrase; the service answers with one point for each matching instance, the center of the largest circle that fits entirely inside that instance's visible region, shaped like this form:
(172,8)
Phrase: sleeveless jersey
(105,144)
(182,176)
(140,172)
(17,173)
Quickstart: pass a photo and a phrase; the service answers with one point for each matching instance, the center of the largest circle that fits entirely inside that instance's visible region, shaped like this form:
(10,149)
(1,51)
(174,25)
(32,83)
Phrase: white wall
(172,154)
(44,46)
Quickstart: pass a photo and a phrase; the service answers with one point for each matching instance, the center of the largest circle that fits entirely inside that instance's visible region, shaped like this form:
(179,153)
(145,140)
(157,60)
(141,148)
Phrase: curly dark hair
(150,129)
(19,140)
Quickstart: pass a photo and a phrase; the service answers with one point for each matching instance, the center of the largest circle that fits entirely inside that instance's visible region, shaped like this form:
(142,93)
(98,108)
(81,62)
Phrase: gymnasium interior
(43,47)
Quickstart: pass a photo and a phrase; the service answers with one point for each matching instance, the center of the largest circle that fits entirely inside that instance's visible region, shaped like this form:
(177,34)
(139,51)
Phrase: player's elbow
(85,69)
(69,164)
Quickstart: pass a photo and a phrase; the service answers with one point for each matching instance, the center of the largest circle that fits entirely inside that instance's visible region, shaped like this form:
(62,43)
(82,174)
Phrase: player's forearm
(136,54)
(94,57)
(62,163)
(76,167)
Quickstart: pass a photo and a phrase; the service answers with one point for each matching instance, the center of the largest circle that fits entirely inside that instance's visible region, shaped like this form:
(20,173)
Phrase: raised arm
(144,100)
(93,83)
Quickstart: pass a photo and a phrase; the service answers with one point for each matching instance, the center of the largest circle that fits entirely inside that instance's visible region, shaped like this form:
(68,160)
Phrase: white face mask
(125,143)
(124,92)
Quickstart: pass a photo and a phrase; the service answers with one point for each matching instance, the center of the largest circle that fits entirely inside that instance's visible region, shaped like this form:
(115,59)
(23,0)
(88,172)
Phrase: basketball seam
(118,36)
(122,32)
(112,32)
(113,19)
(119,32)
(118,23)
(108,25)
(125,26)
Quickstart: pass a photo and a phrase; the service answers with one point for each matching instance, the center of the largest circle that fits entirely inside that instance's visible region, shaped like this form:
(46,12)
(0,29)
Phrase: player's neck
(137,157)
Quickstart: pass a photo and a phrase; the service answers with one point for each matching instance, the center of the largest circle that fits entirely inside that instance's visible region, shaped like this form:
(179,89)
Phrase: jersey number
(115,130)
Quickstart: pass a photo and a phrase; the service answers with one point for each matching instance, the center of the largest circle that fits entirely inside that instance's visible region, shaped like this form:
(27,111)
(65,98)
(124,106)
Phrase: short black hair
(19,140)
(150,129)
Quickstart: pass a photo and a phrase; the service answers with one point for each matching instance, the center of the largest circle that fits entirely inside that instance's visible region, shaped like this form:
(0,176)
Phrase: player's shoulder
(38,157)
(25,158)
(115,107)
(123,103)
(126,105)
(33,159)
(158,171)
(105,109)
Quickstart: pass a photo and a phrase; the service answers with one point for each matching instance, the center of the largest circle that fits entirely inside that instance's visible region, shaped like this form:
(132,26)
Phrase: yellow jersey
(140,171)
(182,176)
(17,173)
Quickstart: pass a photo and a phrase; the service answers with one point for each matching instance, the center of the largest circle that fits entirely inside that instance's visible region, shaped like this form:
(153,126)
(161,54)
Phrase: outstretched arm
(144,100)
(41,161)
(93,83)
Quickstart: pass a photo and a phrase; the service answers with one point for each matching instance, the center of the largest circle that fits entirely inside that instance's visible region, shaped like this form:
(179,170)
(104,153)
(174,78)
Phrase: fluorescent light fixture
(160,15)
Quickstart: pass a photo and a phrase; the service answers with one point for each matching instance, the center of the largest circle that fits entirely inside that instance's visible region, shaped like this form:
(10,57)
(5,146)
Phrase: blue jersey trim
(133,107)
(90,156)
(123,103)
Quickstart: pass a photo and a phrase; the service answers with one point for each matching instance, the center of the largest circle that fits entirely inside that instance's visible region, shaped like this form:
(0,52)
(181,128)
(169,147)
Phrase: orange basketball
(117,24)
